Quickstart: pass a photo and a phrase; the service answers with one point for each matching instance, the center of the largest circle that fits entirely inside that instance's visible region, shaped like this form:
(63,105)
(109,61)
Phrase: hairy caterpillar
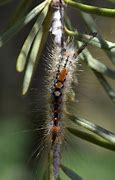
(64,60)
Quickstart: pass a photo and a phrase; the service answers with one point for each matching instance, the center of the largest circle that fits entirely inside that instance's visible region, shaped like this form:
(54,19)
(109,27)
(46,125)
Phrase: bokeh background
(19,113)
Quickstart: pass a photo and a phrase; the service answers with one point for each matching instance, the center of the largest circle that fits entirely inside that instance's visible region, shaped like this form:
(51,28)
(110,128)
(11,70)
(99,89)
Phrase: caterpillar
(64,60)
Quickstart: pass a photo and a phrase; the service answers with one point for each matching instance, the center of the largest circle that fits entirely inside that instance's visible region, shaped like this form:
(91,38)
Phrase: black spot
(55,123)
(56,114)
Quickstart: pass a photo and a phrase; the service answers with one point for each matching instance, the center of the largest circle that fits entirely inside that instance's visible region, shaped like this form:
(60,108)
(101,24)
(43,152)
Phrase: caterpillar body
(62,62)
(64,58)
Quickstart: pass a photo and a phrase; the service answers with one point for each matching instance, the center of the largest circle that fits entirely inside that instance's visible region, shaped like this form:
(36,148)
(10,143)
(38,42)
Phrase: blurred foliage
(28,60)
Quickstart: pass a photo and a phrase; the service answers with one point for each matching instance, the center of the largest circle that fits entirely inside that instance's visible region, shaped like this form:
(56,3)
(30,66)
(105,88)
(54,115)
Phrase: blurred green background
(19,113)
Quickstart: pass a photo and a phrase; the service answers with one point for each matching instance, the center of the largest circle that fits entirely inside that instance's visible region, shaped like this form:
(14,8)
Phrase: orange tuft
(56,129)
(62,74)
